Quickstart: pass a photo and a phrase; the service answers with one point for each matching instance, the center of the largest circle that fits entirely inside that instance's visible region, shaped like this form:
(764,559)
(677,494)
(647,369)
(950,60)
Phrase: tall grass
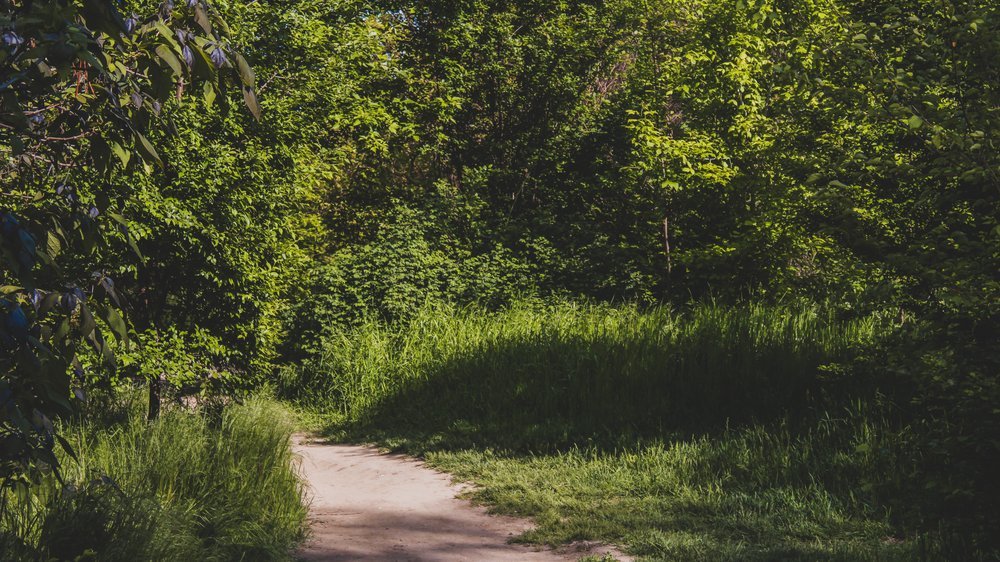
(558,373)
(189,486)
(710,433)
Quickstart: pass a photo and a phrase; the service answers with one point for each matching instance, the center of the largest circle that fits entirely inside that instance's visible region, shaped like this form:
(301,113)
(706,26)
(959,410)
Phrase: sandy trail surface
(366,505)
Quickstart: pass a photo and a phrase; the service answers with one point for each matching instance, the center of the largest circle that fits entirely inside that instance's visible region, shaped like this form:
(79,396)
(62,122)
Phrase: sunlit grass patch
(690,499)
(189,486)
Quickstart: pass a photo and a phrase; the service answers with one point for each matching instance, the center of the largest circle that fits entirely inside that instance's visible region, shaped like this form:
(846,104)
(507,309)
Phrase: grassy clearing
(754,494)
(712,434)
(186,487)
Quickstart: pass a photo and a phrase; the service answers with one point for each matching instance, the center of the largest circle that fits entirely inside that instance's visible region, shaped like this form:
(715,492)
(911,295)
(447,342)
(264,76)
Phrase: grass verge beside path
(686,501)
(190,486)
(758,493)
(713,434)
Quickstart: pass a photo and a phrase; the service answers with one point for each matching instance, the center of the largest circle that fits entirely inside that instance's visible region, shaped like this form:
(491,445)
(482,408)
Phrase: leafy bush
(193,361)
(69,65)
(942,378)
(392,278)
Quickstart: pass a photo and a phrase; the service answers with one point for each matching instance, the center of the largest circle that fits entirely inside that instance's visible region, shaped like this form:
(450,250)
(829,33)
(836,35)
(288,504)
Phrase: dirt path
(372,506)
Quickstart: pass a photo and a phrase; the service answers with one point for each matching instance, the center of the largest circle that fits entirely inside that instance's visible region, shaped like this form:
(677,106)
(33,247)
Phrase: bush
(942,379)
(190,361)
(393,277)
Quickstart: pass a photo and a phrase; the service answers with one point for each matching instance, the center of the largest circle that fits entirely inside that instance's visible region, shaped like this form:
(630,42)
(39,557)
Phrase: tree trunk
(155,396)
(666,243)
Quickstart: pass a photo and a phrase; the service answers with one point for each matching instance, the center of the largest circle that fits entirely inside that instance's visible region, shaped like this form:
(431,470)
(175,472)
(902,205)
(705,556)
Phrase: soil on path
(371,506)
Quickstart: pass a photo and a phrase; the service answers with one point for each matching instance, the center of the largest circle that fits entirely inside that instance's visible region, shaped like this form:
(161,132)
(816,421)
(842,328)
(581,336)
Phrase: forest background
(495,155)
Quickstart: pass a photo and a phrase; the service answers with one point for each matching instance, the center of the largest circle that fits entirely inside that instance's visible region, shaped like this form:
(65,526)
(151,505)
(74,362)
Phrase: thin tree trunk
(155,397)
(666,244)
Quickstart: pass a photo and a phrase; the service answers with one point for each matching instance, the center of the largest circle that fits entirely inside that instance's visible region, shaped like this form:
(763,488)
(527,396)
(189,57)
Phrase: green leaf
(52,244)
(123,155)
(128,234)
(66,447)
(170,58)
(49,302)
(209,90)
(165,32)
(201,18)
(87,323)
(101,152)
(107,353)
(915,122)
(147,148)
(246,72)
(114,321)
(251,100)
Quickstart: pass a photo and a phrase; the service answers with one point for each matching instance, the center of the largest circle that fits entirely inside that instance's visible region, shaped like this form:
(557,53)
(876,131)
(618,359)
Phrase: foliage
(659,150)
(217,226)
(194,360)
(185,487)
(544,126)
(80,86)
(779,141)
(396,275)
(946,364)
(476,153)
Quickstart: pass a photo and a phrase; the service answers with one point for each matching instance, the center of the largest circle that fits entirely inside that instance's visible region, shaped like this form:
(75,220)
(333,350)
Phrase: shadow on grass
(697,440)
(537,395)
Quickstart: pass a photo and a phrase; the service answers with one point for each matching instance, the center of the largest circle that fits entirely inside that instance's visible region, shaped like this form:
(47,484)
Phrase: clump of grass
(186,487)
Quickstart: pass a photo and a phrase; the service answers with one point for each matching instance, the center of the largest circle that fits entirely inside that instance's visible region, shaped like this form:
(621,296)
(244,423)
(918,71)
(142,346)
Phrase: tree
(81,85)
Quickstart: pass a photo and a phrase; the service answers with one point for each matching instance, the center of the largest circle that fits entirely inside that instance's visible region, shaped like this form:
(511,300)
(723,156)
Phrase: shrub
(392,278)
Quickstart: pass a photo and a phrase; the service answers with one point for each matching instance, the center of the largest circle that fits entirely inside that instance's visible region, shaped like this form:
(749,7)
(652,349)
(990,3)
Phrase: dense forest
(725,274)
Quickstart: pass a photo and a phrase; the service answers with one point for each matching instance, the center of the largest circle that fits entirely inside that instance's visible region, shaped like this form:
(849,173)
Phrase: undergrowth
(712,433)
(543,377)
(189,486)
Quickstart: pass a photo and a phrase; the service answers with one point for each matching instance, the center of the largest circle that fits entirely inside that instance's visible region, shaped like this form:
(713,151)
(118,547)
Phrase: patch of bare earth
(366,505)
